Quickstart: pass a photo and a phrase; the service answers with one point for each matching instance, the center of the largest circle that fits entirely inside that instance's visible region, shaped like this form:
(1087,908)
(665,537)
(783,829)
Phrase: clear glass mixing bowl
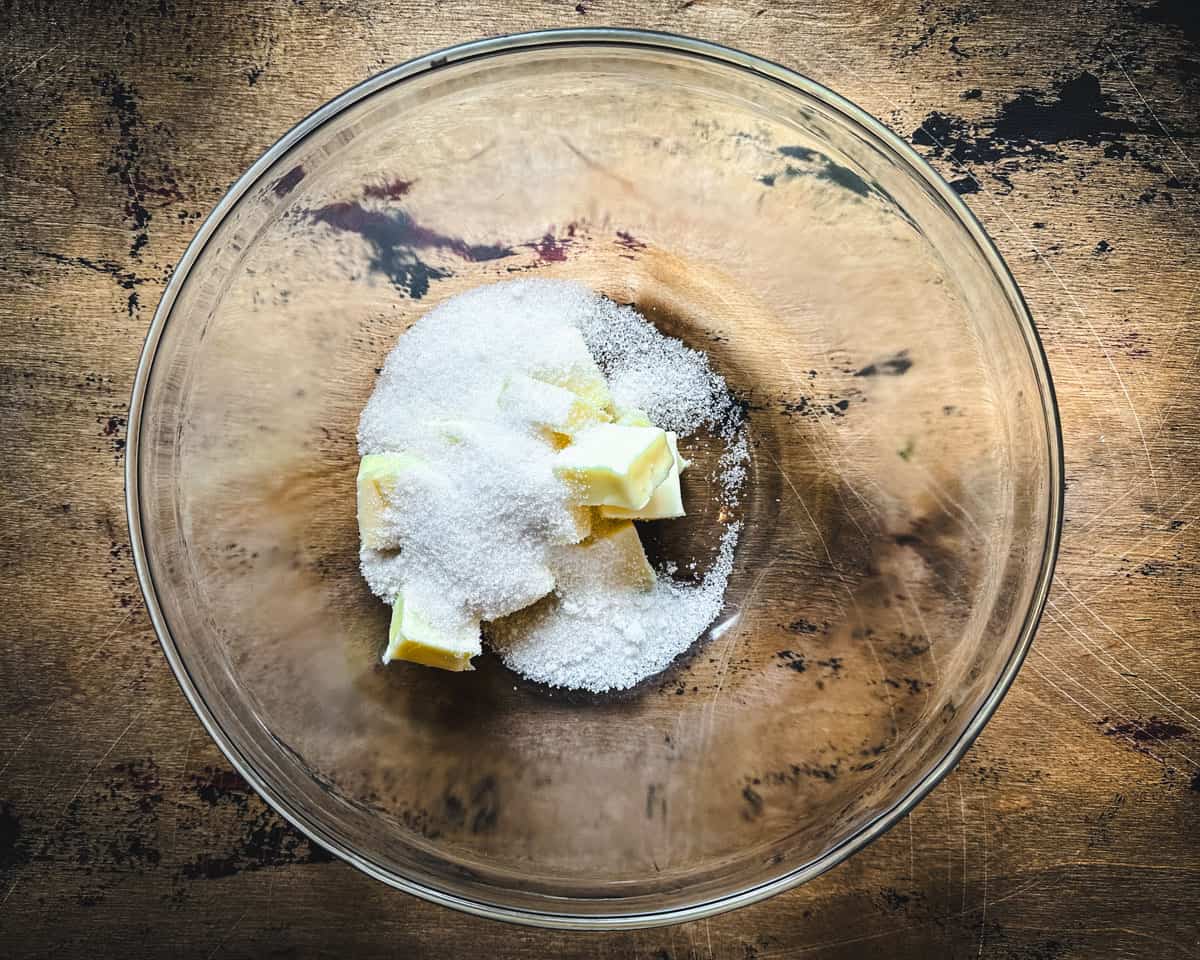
(900,519)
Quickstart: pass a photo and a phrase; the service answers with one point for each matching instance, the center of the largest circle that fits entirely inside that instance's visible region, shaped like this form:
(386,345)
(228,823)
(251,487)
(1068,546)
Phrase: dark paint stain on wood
(124,279)
(893,366)
(629,241)
(129,162)
(215,786)
(894,900)
(1144,736)
(12,850)
(388,190)
(550,249)
(395,239)
(1183,15)
(811,163)
(289,181)
(1079,110)
(792,660)
(264,839)
(1031,128)
(753,806)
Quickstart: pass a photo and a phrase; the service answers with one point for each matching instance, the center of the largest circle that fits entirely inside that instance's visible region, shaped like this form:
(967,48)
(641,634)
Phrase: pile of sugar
(672,383)
(484,527)
(594,636)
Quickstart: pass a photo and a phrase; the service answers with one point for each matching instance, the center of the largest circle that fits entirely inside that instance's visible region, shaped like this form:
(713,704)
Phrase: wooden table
(1072,827)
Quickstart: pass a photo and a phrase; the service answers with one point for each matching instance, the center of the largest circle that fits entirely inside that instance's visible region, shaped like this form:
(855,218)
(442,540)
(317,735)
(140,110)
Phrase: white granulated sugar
(484,524)
(592,636)
(669,381)
(731,468)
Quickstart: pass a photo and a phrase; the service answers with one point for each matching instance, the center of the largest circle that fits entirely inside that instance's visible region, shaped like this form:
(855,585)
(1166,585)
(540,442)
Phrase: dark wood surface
(1072,827)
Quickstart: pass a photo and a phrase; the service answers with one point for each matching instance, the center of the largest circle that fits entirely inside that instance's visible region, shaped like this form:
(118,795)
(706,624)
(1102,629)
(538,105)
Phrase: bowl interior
(897,517)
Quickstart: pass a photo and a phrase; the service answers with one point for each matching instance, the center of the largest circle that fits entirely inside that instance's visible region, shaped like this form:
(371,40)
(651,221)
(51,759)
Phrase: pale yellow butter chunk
(546,405)
(580,374)
(378,474)
(611,558)
(414,637)
(580,526)
(666,503)
(611,465)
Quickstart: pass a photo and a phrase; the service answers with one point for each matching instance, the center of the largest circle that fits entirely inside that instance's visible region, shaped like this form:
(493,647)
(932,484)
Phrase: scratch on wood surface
(912,846)
(1091,611)
(1046,731)
(1185,317)
(1040,928)
(832,449)
(25,739)
(52,75)
(1170,404)
(1137,421)
(1161,126)
(1025,887)
(96,765)
(56,702)
(1112,712)
(962,806)
(228,933)
(1097,557)
(1084,529)
(40,186)
(29,66)
(942,497)
(984,895)
(803,506)
(1121,671)
(946,819)
(869,641)
(834,944)
(187,752)
(1130,551)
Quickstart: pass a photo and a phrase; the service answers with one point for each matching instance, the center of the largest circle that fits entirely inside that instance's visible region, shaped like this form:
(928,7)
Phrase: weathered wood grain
(1070,829)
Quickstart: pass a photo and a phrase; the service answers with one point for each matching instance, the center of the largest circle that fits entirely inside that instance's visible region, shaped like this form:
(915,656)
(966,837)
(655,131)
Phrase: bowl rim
(665,43)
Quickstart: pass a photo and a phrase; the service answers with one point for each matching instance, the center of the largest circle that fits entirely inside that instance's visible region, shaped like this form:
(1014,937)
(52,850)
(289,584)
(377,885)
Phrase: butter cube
(580,526)
(611,558)
(611,465)
(378,474)
(414,637)
(580,375)
(546,405)
(666,503)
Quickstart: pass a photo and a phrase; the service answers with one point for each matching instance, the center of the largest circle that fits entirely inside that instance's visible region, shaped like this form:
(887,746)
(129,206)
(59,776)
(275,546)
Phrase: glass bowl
(900,518)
